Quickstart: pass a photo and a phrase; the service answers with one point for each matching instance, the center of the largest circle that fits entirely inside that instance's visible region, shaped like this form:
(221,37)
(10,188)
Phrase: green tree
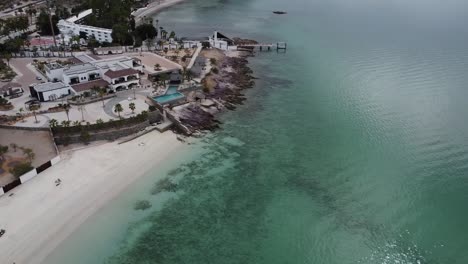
(43,23)
(172,35)
(101,92)
(120,34)
(118,109)
(157,67)
(66,123)
(53,123)
(85,137)
(132,107)
(145,31)
(92,42)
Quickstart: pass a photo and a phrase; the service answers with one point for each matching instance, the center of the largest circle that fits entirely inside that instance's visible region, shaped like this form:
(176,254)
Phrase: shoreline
(40,216)
(153,8)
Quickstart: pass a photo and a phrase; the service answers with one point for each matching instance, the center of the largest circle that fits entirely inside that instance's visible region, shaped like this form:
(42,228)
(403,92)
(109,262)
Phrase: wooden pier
(263,46)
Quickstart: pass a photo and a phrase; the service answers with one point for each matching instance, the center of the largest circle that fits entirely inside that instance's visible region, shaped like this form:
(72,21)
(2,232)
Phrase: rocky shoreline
(223,89)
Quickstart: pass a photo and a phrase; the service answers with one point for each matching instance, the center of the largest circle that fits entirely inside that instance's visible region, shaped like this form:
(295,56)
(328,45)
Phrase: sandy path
(39,216)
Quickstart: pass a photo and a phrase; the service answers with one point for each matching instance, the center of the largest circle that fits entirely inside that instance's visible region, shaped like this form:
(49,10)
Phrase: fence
(28,175)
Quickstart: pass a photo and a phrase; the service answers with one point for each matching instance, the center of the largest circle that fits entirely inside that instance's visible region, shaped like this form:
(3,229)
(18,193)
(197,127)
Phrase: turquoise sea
(351,148)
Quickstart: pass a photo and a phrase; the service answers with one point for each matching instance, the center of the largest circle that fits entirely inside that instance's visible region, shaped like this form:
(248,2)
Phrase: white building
(51,91)
(221,42)
(115,73)
(122,79)
(70,27)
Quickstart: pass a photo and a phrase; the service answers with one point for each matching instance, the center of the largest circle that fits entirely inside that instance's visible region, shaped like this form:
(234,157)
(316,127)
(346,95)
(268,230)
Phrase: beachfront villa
(71,27)
(89,71)
(122,79)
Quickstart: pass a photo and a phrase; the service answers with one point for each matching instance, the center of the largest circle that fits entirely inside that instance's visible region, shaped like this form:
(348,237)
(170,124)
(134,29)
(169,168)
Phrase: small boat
(279,12)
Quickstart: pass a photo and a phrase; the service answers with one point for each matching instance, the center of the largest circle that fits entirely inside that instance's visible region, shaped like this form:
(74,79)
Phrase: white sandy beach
(154,7)
(39,216)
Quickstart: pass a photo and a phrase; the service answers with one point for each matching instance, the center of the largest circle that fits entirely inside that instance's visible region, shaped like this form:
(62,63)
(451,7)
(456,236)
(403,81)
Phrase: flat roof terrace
(80,68)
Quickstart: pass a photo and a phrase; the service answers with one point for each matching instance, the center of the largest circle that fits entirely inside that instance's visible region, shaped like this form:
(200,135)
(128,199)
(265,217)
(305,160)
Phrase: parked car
(38,78)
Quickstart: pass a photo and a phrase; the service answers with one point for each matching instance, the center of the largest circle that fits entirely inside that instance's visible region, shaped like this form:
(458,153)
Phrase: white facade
(122,82)
(68,28)
(54,71)
(221,43)
(51,91)
(122,72)
(81,73)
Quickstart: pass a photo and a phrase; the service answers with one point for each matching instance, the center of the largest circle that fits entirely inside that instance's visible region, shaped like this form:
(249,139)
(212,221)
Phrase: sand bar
(40,215)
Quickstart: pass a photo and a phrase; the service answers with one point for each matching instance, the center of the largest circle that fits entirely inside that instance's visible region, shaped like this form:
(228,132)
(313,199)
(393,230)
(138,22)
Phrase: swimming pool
(163,99)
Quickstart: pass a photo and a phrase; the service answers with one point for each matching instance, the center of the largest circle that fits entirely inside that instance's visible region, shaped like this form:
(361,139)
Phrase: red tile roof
(120,73)
(89,85)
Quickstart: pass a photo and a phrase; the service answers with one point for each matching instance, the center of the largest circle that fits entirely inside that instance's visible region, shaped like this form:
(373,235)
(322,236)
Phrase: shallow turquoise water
(352,147)
(168,97)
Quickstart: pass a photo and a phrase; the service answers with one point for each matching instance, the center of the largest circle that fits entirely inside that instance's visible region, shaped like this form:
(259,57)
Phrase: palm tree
(34,108)
(67,107)
(132,107)
(118,109)
(101,92)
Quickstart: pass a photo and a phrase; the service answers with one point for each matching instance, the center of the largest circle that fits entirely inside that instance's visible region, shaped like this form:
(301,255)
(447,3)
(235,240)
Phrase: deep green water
(352,147)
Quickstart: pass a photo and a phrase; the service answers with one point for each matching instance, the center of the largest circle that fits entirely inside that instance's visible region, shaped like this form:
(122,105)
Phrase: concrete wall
(26,128)
(28,176)
(33,173)
(59,93)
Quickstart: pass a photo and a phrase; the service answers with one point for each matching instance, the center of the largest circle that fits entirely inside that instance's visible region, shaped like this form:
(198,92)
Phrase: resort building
(88,71)
(50,91)
(109,50)
(122,79)
(71,27)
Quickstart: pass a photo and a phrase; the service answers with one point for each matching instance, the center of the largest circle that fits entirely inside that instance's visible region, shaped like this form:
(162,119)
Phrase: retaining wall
(26,128)
(110,135)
